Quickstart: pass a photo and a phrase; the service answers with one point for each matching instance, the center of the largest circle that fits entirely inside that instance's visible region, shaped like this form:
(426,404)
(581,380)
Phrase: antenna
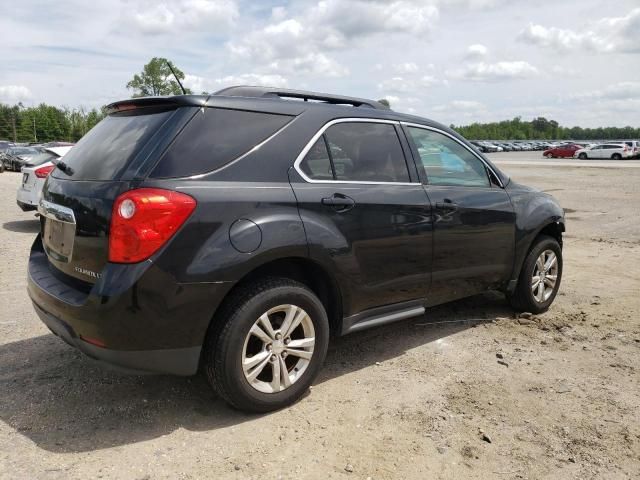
(184,92)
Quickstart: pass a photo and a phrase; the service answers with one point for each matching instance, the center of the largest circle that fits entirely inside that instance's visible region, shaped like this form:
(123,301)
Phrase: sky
(454,61)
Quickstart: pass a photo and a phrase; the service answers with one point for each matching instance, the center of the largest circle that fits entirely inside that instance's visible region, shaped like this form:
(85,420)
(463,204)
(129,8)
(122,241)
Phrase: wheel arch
(553,228)
(301,269)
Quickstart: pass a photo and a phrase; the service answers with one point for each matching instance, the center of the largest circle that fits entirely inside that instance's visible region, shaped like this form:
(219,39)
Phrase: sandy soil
(468,391)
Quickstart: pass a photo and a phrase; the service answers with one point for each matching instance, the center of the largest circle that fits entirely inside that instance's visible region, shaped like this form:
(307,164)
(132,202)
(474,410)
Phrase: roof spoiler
(285,93)
(159,102)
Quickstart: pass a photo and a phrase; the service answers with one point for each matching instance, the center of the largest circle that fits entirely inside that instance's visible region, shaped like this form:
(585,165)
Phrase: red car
(562,151)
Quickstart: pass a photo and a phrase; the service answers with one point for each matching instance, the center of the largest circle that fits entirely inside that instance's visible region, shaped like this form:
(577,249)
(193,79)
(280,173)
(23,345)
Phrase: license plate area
(59,231)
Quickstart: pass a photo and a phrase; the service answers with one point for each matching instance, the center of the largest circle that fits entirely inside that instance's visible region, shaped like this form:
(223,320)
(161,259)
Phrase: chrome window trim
(320,132)
(475,154)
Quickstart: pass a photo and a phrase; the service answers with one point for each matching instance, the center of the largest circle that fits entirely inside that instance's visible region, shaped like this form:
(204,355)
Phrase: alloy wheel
(278,348)
(545,276)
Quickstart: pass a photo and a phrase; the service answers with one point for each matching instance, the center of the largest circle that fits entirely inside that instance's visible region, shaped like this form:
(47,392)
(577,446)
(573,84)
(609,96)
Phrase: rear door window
(366,152)
(215,137)
(105,152)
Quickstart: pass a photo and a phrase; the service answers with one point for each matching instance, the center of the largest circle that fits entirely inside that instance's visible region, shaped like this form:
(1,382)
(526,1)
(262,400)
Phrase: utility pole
(35,137)
(13,124)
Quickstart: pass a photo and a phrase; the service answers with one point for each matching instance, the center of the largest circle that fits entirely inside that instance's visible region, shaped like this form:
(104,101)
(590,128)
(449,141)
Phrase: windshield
(105,152)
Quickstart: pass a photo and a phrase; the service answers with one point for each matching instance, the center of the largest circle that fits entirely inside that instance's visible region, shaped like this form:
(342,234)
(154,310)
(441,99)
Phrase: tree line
(542,129)
(46,123)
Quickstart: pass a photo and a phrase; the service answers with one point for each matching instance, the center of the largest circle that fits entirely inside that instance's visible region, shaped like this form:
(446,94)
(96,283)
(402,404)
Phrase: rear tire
(537,287)
(616,156)
(235,349)
(582,156)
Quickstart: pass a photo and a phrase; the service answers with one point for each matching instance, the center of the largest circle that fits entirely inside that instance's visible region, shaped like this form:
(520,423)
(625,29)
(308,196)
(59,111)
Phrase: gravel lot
(479,395)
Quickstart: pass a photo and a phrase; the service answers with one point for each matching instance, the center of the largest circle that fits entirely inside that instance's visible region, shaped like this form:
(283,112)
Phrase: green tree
(156,79)
(385,102)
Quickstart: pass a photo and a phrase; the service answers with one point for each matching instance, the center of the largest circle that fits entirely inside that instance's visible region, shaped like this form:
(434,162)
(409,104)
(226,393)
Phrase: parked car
(478,146)
(488,147)
(238,232)
(634,146)
(562,151)
(5,145)
(15,157)
(35,173)
(615,151)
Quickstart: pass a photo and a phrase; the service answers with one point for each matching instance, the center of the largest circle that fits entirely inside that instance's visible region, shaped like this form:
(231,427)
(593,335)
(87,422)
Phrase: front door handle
(339,202)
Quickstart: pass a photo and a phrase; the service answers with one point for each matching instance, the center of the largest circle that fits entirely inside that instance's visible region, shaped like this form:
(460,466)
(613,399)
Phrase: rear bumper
(180,361)
(143,320)
(26,207)
(27,198)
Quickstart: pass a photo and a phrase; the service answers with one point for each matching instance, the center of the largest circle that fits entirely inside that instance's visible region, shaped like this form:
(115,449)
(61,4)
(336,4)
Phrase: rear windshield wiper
(63,166)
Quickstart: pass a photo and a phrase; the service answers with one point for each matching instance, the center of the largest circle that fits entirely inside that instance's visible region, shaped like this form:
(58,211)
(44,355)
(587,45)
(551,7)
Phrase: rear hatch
(79,194)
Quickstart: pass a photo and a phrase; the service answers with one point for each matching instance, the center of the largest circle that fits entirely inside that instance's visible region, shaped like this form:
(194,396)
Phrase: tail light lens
(43,172)
(143,220)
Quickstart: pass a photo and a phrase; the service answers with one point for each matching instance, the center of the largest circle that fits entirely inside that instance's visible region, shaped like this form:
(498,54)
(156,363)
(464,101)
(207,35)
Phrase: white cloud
(200,84)
(407,67)
(464,107)
(477,51)
(14,93)
(178,16)
(618,91)
(564,71)
(467,104)
(407,85)
(494,72)
(609,34)
(303,42)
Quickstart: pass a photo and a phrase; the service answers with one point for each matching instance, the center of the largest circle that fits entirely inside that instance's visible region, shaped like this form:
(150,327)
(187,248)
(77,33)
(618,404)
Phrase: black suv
(237,232)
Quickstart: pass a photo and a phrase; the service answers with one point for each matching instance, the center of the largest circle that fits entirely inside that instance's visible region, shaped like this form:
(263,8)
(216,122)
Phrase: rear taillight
(143,220)
(43,172)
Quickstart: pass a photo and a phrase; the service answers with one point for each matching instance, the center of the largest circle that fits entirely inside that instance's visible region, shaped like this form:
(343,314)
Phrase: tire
(230,341)
(523,298)
(582,156)
(616,156)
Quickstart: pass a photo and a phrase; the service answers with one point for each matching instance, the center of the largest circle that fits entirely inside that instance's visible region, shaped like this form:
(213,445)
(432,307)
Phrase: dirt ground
(468,391)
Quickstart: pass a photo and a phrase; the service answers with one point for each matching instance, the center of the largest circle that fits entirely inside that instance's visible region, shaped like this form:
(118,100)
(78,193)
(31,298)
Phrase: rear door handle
(447,205)
(339,202)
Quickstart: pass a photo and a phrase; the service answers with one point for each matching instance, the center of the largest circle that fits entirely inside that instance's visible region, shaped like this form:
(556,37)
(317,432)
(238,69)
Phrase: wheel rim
(545,276)
(278,348)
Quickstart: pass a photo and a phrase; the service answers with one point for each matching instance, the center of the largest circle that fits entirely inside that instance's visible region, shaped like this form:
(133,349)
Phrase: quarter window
(214,138)
(447,162)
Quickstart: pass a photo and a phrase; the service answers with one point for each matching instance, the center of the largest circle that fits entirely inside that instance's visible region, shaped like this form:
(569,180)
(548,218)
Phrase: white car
(35,174)
(616,151)
(634,145)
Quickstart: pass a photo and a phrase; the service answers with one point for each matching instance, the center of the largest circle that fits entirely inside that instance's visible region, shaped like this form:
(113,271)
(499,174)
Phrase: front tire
(267,345)
(582,156)
(540,277)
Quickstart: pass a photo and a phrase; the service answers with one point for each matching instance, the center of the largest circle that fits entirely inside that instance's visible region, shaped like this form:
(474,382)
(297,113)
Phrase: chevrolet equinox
(238,232)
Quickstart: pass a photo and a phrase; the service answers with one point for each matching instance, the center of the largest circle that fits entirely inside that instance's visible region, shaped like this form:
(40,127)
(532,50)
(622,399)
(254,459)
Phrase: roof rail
(284,93)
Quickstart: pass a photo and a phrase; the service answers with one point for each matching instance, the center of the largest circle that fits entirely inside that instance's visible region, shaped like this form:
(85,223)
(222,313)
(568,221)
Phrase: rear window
(41,158)
(105,152)
(214,138)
